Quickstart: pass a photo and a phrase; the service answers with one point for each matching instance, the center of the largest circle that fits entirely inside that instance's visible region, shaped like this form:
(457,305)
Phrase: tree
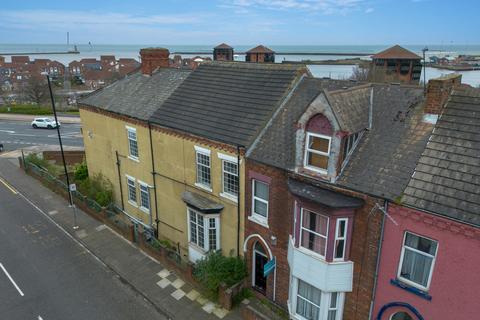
(360,73)
(36,90)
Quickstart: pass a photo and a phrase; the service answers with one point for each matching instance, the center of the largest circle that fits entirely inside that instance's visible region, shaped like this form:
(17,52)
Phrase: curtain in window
(416,267)
(308,301)
(314,231)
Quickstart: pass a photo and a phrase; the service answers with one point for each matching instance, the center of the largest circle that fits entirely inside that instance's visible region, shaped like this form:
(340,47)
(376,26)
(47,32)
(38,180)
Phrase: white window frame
(307,150)
(308,230)
(134,185)
(400,264)
(145,185)
(206,230)
(205,152)
(234,160)
(319,306)
(337,237)
(256,216)
(130,155)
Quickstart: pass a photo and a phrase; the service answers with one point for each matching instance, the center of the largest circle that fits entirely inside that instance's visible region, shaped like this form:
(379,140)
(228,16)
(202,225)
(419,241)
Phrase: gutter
(157,221)
(120,179)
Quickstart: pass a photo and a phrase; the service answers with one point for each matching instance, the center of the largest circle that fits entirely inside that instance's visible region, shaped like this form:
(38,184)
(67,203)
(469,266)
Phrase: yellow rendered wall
(102,136)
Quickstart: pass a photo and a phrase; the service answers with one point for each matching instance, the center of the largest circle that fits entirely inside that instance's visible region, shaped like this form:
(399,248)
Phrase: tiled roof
(386,155)
(351,107)
(277,146)
(447,177)
(396,52)
(228,101)
(260,49)
(137,95)
(223,46)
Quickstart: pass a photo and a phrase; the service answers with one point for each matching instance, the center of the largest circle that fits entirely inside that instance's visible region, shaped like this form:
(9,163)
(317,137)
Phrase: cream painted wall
(176,168)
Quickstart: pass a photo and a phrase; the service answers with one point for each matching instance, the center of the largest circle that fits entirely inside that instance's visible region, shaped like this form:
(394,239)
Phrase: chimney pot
(154,58)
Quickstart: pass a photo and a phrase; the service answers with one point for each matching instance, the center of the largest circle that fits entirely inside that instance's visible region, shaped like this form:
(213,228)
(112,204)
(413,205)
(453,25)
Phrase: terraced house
(173,142)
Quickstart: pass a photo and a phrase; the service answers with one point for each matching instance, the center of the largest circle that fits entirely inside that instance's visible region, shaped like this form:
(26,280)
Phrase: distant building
(260,54)
(396,64)
(223,52)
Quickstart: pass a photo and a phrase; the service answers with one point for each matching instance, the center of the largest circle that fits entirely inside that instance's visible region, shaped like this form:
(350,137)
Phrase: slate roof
(323,196)
(385,156)
(277,146)
(201,203)
(223,46)
(137,95)
(351,107)
(228,102)
(396,52)
(447,178)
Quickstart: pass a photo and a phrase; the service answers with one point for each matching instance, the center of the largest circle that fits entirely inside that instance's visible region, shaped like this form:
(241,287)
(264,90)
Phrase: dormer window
(317,152)
(349,144)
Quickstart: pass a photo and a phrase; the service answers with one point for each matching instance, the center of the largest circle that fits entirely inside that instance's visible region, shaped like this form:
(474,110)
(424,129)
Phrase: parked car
(1,147)
(48,123)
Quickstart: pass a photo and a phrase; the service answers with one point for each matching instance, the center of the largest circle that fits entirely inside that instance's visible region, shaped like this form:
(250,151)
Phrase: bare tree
(36,90)
(360,73)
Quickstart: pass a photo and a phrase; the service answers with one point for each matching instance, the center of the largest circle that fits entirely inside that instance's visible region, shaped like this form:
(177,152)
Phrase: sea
(332,71)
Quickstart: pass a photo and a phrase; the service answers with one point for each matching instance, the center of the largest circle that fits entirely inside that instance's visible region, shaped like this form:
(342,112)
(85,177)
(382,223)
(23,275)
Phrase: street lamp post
(70,198)
(424,70)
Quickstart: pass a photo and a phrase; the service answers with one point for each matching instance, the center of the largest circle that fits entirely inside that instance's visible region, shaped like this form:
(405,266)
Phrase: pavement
(18,134)
(171,296)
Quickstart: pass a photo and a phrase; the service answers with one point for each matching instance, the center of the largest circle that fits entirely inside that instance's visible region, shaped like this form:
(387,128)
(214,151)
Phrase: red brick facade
(363,250)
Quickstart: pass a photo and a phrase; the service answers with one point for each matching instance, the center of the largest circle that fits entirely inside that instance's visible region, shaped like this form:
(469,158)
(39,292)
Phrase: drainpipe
(120,179)
(370,110)
(375,278)
(238,200)
(154,178)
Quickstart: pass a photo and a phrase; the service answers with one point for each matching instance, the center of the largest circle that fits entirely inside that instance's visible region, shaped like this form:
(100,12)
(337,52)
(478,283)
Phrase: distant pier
(355,54)
(37,53)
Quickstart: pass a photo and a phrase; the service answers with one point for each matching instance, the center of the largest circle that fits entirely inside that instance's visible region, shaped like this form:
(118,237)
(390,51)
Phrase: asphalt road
(19,134)
(45,275)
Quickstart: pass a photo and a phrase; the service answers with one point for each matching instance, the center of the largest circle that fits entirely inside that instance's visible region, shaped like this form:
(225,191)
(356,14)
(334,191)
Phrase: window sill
(316,170)
(133,204)
(229,197)
(204,187)
(146,210)
(134,158)
(262,222)
(402,285)
(311,253)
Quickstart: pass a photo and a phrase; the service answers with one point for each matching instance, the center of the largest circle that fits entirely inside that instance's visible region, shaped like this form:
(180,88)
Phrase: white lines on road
(7,131)
(11,280)
(8,186)
(39,318)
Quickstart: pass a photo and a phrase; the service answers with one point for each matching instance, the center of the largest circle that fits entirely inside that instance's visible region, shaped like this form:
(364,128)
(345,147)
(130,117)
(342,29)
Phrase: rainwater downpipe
(157,221)
(119,179)
(238,199)
(375,278)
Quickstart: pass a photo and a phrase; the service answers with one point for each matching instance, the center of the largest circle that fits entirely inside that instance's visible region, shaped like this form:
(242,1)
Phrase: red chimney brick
(438,91)
(154,58)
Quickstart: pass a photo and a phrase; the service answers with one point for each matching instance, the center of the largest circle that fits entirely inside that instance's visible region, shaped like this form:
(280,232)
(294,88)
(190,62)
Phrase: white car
(48,123)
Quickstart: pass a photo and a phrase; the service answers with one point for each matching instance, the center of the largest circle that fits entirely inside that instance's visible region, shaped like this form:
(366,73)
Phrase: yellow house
(172,143)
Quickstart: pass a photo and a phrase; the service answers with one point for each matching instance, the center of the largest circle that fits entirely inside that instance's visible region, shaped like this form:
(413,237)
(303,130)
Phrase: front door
(259,260)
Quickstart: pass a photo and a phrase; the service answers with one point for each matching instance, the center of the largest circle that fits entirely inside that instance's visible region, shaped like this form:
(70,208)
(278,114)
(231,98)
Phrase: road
(46,275)
(19,134)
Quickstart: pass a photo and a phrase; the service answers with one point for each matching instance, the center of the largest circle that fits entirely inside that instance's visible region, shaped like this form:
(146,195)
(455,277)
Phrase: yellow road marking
(8,186)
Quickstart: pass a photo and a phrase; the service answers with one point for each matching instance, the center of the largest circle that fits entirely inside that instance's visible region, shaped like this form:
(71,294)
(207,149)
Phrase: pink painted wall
(456,275)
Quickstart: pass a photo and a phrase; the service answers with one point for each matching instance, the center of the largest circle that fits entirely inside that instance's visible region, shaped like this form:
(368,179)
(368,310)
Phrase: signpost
(269,267)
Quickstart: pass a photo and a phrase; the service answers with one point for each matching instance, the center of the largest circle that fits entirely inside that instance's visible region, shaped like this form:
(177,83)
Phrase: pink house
(430,255)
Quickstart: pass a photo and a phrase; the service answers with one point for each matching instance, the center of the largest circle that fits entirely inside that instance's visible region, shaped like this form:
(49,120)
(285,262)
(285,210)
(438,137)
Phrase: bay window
(417,260)
(340,239)
(203,230)
(317,152)
(314,232)
(314,304)
(308,301)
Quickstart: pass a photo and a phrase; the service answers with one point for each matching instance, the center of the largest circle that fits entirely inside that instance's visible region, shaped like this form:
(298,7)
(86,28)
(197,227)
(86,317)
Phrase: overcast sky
(274,22)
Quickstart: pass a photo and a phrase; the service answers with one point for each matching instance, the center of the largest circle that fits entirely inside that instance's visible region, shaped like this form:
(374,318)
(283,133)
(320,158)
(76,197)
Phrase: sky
(274,22)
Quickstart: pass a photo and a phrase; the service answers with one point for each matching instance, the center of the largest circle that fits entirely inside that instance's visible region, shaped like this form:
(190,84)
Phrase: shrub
(81,172)
(215,269)
(97,188)
(42,163)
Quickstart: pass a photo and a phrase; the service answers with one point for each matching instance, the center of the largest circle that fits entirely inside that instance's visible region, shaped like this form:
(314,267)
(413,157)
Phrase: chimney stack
(154,58)
(438,91)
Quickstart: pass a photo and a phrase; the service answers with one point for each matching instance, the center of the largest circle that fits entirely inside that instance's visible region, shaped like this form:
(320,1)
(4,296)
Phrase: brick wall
(153,58)
(71,157)
(438,91)
(280,226)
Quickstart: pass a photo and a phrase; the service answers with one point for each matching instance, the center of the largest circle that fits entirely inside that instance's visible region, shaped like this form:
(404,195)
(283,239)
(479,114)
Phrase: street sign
(72,187)
(269,267)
